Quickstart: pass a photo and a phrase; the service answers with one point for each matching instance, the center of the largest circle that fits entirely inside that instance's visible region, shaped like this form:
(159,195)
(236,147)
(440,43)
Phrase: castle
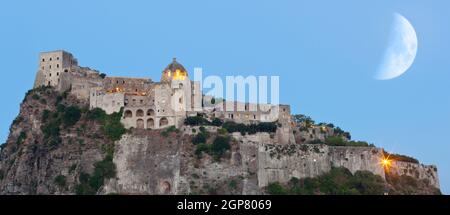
(148,104)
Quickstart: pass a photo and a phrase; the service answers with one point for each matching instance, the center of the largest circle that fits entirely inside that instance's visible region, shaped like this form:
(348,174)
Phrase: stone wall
(418,171)
(148,163)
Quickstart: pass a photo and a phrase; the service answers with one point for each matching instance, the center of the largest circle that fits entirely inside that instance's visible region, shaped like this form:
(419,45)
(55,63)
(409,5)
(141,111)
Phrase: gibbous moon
(401,52)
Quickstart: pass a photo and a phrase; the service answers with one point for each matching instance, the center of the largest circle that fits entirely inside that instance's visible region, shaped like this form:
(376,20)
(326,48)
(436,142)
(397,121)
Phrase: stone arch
(140,124)
(150,123)
(139,113)
(150,112)
(163,122)
(128,114)
(165,187)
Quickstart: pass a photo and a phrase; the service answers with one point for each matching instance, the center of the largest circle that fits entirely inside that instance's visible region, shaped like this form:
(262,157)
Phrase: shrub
(222,131)
(71,116)
(199,138)
(45,115)
(339,141)
(60,180)
(172,129)
(21,138)
(220,145)
(232,184)
(339,132)
(96,114)
(338,181)
(164,133)
(112,127)
(89,185)
(72,168)
(217,122)
(269,127)
(335,141)
(276,189)
(35,97)
(202,147)
(196,121)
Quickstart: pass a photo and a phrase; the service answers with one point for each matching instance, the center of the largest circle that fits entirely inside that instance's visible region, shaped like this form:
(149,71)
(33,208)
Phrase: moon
(402,49)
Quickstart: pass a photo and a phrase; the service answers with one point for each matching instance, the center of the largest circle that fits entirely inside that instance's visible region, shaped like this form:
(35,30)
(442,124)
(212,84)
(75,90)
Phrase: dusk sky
(326,54)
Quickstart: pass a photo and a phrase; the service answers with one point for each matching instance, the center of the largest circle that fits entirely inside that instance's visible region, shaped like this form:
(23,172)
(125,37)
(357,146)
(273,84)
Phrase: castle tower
(52,65)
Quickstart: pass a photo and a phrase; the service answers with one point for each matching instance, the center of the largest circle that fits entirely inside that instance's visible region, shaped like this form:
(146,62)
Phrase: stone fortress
(147,104)
(262,158)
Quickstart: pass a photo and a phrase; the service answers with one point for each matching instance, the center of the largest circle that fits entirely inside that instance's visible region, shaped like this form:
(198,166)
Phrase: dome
(174,71)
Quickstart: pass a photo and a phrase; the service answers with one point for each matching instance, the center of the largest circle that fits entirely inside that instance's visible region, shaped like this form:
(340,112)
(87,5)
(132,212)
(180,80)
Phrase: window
(50,66)
(141,101)
(43,60)
(50,75)
(150,112)
(57,74)
(57,65)
(128,114)
(57,58)
(163,122)
(50,59)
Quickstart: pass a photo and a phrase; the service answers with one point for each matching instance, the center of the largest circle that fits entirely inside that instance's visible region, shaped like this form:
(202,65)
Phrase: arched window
(139,113)
(150,123)
(150,112)
(163,122)
(128,114)
(140,124)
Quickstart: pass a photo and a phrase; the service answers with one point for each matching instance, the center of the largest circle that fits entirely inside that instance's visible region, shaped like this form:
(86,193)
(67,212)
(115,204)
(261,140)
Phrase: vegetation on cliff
(232,127)
(339,181)
(104,169)
(111,125)
(70,140)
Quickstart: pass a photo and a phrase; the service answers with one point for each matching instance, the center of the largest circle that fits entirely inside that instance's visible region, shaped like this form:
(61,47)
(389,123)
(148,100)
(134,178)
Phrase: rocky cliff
(57,146)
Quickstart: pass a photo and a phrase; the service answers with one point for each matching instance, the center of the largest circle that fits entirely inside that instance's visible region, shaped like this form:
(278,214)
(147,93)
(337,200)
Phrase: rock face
(29,163)
(166,162)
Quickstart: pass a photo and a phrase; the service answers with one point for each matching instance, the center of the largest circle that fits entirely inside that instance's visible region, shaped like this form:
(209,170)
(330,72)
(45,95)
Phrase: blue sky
(325,52)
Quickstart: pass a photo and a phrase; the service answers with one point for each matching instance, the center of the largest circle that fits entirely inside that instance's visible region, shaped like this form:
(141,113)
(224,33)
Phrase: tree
(302,119)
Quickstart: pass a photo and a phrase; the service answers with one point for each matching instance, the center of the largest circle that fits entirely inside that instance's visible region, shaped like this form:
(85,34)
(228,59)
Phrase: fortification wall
(427,173)
(149,163)
(279,163)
